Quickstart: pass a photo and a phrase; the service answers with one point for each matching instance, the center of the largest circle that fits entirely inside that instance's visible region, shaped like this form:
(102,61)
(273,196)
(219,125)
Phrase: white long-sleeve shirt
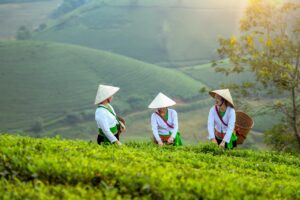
(159,127)
(106,120)
(214,122)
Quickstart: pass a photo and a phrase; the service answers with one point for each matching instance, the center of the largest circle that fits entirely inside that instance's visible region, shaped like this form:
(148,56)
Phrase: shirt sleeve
(230,128)
(175,124)
(210,124)
(103,124)
(154,128)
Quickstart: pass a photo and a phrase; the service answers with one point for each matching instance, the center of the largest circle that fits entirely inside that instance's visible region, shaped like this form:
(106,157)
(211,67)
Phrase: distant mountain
(168,33)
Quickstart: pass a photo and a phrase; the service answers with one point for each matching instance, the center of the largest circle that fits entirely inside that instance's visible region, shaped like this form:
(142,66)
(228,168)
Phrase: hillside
(207,74)
(170,33)
(68,169)
(49,80)
(29,13)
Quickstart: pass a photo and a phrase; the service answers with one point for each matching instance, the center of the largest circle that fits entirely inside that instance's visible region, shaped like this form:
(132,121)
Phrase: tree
(37,126)
(73,118)
(269,47)
(136,102)
(23,33)
(42,27)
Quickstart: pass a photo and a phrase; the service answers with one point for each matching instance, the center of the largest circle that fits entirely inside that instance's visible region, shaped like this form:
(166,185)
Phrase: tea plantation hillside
(69,169)
(168,33)
(29,13)
(48,80)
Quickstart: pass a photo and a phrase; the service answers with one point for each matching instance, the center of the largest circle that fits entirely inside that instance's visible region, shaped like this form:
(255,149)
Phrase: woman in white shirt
(164,121)
(109,124)
(221,120)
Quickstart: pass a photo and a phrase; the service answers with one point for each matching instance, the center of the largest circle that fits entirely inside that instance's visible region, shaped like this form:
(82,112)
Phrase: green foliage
(42,27)
(136,102)
(73,118)
(37,126)
(23,33)
(279,137)
(66,169)
(269,47)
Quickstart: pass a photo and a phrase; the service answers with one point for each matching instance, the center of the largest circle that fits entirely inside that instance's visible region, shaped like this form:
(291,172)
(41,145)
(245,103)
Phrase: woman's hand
(118,143)
(214,141)
(170,140)
(122,127)
(160,143)
(222,144)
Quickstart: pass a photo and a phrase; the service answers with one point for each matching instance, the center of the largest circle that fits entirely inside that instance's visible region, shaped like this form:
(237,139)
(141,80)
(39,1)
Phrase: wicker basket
(243,125)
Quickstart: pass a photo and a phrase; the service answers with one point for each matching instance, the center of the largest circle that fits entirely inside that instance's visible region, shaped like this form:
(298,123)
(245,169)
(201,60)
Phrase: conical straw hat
(104,92)
(225,93)
(161,101)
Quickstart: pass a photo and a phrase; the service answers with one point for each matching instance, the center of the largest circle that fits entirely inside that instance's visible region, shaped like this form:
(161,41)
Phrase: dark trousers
(102,139)
(219,141)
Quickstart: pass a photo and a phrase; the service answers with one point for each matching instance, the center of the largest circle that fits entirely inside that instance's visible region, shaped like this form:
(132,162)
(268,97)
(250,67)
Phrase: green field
(170,33)
(72,169)
(207,74)
(49,80)
(14,14)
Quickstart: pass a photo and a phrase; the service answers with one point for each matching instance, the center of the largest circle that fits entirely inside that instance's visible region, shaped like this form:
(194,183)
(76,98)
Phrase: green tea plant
(74,169)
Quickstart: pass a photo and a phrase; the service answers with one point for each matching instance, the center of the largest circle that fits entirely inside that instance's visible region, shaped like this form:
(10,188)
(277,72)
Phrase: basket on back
(243,125)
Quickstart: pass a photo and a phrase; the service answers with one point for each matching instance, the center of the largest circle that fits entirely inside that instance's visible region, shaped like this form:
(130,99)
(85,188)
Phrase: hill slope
(36,168)
(207,74)
(47,80)
(29,13)
(166,32)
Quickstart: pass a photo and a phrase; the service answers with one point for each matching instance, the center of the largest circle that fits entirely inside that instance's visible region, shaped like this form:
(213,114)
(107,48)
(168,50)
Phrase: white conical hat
(161,101)
(225,93)
(104,92)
